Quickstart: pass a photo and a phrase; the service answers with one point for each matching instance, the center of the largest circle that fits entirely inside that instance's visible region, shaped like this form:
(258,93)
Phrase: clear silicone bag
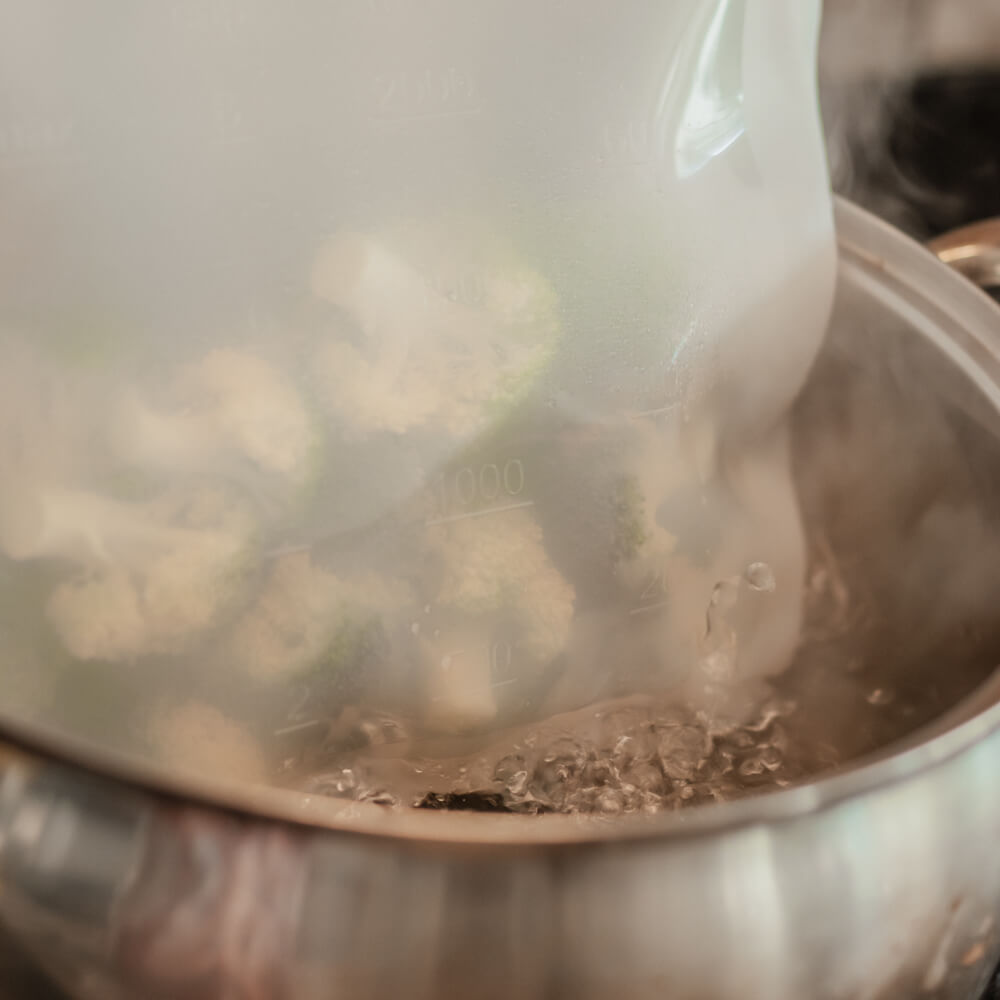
(415,358)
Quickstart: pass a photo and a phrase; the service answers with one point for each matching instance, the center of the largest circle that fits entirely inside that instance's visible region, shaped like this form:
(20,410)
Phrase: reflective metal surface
(881,882)
(974,251)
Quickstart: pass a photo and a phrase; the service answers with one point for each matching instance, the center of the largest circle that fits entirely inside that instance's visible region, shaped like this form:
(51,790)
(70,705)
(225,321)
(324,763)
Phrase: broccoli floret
(493,573)
(444,329)
(498,566)
(630,529)
(198,738)
(307,621)
(227,411)
(153,579)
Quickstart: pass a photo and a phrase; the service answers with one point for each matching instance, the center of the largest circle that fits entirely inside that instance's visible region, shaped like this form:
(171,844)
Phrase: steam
(867,61)
(871,53)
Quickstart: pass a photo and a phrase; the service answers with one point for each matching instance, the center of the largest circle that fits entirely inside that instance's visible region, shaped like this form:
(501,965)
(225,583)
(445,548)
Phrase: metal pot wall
(879,882)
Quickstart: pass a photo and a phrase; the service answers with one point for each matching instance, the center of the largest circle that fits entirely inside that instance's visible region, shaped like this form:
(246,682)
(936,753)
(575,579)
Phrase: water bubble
(559,768)
(644,776)
(765,758)
(759,576)
(379,797)
(773,708)
(625,751)
(517,784)
(508,766)
(681,751)
(723,762)
(650,803)
(337,784)
(751,765)
(599,772)
(610,802)
(631,760)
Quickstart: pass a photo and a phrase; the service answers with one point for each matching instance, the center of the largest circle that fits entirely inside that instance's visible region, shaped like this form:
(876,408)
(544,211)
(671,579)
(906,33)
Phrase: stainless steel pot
(882,881)
(974,251)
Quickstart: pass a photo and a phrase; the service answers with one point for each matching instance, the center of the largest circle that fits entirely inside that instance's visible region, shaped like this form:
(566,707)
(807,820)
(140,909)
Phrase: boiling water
(446,383)
(619,759)
(643,755)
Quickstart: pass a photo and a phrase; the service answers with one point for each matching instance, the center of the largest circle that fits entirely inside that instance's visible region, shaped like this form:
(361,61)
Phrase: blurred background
(911,101)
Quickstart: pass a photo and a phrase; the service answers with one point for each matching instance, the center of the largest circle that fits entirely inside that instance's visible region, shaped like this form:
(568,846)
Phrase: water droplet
(645,776)
(759,576)
(881,696)
(415,628)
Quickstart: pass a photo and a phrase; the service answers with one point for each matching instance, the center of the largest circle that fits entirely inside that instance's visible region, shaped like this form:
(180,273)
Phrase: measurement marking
(649,607)
(500,684)
(425,115)
(479,513)
(656,413)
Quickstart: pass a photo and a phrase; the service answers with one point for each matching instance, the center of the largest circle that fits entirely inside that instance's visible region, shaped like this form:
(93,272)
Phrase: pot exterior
(891,894)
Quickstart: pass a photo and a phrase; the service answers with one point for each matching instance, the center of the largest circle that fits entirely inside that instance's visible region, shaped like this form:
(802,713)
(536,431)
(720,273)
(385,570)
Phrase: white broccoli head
(446,329)
(199,739)
(306,618)
(494,575)
(166,573)
(227,408)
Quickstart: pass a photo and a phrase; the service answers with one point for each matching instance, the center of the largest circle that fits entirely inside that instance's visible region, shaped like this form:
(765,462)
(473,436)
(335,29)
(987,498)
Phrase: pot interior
(896,445)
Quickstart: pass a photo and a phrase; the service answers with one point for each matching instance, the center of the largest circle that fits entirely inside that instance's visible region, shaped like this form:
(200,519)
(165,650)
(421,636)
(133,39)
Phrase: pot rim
(931,289)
